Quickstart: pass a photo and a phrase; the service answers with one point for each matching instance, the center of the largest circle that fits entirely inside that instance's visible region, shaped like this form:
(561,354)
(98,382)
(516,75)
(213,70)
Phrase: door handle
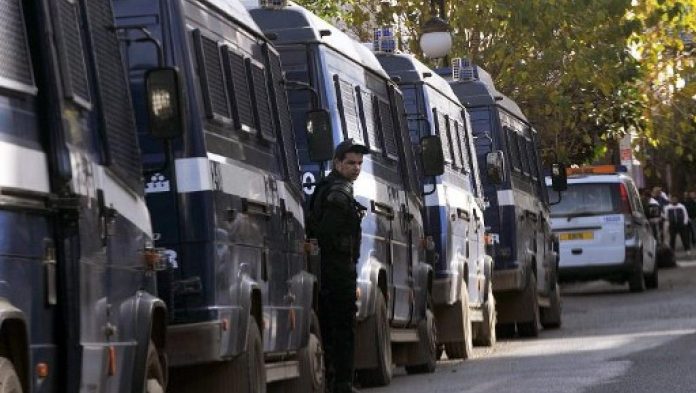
(256,208)
(382,209)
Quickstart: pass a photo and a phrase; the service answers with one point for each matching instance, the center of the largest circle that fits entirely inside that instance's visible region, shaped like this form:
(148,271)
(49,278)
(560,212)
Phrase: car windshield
(587,199)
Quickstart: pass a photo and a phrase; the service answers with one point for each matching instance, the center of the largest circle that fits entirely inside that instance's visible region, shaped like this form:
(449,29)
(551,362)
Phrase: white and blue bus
(525,254)
(228,205)
(453,212)
(328,71)
(77,268)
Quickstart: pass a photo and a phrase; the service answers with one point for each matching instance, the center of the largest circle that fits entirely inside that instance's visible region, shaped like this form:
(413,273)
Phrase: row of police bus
(157,157)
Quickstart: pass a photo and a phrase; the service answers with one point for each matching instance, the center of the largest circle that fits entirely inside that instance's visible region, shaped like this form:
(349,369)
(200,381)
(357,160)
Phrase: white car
(602,229)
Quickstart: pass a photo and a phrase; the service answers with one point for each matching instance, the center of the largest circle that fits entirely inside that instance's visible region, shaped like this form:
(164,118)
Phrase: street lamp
(436,40)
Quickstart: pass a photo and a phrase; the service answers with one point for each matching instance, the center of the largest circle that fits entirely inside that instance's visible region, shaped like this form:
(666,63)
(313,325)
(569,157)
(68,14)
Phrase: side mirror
(319,135)
(431,156)
(495,167)
(164,103)
(559,177)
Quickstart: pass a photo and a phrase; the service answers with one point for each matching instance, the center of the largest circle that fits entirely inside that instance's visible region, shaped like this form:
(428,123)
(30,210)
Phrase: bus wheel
(250,367)
(382,374)
(530,328)
(427,332)
(311,359)
(9,382)
(154,377)
(551,317)
(462,349)
(485,331)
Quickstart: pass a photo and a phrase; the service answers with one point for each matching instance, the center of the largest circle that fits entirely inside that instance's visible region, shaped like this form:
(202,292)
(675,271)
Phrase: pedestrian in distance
(334,220)
(678,220)
(690,205)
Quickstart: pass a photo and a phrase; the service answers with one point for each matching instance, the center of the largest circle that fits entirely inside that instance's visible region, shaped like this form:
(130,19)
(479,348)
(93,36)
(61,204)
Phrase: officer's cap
(349,146)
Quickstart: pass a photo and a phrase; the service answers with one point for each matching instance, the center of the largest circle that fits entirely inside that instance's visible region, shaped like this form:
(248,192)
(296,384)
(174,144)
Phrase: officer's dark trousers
(337,317)
(683,232)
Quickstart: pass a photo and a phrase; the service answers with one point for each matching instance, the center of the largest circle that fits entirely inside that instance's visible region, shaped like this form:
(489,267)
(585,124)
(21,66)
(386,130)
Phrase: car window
(588,199)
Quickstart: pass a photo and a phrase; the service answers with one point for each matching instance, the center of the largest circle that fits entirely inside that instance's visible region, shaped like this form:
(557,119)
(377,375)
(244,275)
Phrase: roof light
(383,39)
(596,170)
(462,69)
(274,4)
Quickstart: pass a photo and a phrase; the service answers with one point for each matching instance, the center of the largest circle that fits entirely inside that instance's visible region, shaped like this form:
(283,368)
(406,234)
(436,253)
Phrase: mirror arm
(560,198)
(148,37)
(168,158)
(298,85)
(431,192)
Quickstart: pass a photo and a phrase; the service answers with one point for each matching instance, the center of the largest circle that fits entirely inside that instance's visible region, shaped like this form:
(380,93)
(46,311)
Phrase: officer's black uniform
(334,220)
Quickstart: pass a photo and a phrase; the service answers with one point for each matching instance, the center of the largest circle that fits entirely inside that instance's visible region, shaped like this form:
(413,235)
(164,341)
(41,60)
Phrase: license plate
(577,236)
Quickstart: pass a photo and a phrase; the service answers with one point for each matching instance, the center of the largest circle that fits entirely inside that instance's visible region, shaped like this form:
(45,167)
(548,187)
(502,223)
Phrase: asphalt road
(611,341)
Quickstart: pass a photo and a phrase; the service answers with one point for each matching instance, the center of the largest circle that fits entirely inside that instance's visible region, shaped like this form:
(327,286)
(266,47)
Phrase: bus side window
(283,121)
(442,132)
(386,125)
(533,160)
(368,116)
(347,106)
(72,56)
(524,157)
(211,77)
(262,108)
(513,152)
(455,147)
(238,90)
(460,134)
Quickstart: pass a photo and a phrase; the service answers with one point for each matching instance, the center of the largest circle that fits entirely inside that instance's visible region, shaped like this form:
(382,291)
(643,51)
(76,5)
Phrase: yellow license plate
(577,236)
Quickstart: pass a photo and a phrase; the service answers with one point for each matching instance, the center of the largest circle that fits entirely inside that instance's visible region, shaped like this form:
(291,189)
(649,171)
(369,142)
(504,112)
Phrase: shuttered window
(284,121)
(464,145)
(15,61)
(513,152)
(114,97)
(369,119)
(264,119)
(456,146)
(386,120)
(441,128)
(211,76)
(239,91)
(347,105)
(72,54)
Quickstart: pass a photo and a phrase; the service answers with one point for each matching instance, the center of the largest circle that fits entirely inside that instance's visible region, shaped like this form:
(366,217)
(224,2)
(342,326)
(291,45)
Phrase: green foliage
(586,72)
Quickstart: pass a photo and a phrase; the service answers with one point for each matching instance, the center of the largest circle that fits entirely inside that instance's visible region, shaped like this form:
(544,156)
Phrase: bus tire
(9,382)
(530,328)
(311,359)
(249,367)
(382,374)
(485,331)
(551,316)
(155,381)
(462,349)
(427,332)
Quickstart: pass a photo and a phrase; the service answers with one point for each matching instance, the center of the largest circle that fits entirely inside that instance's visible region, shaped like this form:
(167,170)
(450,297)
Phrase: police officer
(334,220)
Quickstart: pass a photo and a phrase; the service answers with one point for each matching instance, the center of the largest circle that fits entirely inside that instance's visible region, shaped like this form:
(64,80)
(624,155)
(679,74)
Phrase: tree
(585,72)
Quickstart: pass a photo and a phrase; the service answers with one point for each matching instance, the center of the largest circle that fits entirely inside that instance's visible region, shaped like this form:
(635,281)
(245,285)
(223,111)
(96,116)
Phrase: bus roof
(481,91)
(236,9)
(412,70)
(295,24)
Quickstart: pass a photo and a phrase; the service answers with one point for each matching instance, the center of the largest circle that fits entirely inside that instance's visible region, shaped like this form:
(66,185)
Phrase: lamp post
(436,39)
